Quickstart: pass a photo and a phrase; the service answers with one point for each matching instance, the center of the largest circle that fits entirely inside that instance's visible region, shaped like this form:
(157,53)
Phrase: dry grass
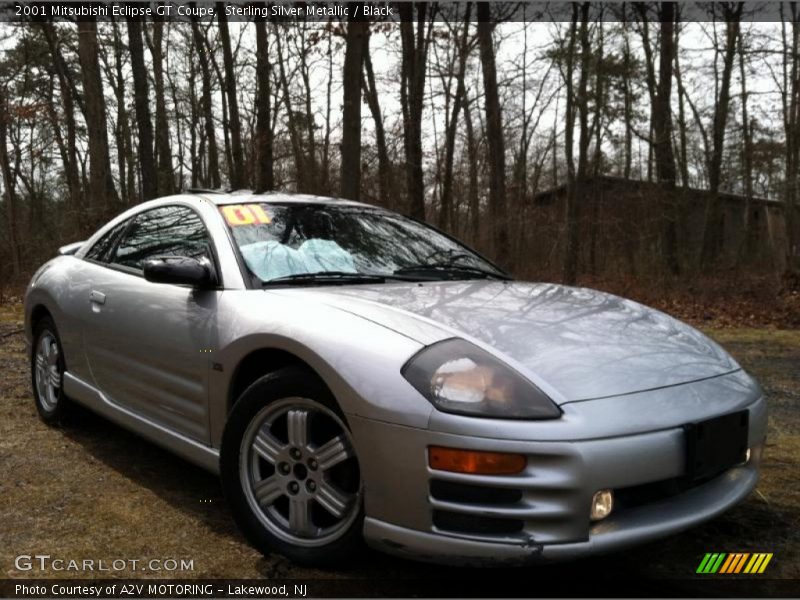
(93,490)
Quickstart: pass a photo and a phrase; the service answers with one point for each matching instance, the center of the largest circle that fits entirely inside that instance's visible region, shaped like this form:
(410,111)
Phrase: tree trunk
(472,194)
(791,124)
(412,89)
(101,185)
(446,221)
(570,267)
(351,111)
(311,171)
(264,179)
(384,166)
(326,143)
(166,183)
(121,134)
(66,87)
(8,183)
(628,105)
(713,233)
(748,240)
(207,106)
(147,164)
(303,183)
(662,135)
(229,82)
(494,137)
(682,133)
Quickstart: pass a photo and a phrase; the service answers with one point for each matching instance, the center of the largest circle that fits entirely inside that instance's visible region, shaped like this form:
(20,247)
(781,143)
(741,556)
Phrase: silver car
(354,374)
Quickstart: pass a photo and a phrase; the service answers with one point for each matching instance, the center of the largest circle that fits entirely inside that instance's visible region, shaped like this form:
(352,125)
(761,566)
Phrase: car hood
(577,343)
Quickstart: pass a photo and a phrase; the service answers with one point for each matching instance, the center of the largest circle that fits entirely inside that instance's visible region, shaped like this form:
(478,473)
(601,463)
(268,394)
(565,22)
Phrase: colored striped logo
(734,563)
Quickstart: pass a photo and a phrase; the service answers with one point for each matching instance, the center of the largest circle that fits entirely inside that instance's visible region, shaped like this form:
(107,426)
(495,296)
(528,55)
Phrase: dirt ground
(93,490)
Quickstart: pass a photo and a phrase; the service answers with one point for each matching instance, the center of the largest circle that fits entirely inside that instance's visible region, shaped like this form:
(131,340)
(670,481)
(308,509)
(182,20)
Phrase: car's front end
(545,510)
(672,436)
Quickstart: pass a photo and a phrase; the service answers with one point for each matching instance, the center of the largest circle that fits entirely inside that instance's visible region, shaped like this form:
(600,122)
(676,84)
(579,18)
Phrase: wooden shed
(622,223)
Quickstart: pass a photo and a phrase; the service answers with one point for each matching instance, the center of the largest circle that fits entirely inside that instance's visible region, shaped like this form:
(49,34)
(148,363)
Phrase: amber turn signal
(475,461)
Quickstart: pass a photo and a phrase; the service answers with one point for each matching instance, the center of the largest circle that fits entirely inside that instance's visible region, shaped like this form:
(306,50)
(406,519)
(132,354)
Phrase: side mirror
(180,270)
(70,249)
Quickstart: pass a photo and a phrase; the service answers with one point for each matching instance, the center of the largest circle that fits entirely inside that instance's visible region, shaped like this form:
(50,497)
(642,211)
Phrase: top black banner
(75,10)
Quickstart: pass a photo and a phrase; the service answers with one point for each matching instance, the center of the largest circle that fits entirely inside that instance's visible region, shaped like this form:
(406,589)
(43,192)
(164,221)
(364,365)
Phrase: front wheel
(289,469)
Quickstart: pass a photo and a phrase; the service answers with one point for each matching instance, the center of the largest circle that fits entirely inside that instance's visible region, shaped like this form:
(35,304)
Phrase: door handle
(97,297)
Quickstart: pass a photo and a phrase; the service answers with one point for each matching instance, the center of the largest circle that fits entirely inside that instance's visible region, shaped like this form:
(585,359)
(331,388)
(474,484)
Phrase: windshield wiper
(449,268)
(327,277)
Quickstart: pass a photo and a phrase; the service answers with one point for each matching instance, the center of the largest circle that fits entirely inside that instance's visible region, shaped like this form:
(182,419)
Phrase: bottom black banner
(488,586)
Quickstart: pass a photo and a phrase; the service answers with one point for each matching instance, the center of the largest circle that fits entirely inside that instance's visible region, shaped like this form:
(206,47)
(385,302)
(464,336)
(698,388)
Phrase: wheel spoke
(332,452)
(40,380)
(332,500)
(300,515)
(267,445)
(268,490)
(45,344)
(55,379)
(53,360)
(40,361)
(298,428)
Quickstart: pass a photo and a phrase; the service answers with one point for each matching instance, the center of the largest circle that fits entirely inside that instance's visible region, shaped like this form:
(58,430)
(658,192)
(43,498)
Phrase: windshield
(304,242)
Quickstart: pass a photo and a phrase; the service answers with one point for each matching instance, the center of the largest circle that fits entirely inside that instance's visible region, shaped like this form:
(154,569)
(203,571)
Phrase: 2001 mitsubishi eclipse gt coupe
(352,373)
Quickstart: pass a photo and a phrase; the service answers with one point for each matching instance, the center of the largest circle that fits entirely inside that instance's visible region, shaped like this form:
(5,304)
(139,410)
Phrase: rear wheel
(47,373)
(290,471)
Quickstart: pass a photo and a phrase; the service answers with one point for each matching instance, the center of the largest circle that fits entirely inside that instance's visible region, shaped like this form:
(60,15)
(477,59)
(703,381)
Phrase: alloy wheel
(48,373)
(299,472)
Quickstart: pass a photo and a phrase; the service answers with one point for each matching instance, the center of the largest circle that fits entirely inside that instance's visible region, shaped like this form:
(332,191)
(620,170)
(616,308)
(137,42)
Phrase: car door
(147,344)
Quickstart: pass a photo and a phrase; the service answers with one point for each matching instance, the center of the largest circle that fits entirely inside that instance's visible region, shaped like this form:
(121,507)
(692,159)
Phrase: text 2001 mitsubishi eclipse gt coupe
(353,373)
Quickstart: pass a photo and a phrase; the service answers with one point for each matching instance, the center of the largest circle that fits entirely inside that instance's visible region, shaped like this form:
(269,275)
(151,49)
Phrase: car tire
(289,470)
(47,373)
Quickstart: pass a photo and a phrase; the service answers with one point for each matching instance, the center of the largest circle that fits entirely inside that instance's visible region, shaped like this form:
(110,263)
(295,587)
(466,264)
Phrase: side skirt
(191,450)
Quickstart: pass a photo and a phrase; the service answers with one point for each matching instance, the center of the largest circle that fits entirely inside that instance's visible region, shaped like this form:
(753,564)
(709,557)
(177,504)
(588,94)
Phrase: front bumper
(542,513)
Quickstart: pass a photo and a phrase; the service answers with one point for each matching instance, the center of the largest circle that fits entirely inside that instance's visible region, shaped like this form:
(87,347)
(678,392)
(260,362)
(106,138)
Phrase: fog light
(602,504)
(747,456)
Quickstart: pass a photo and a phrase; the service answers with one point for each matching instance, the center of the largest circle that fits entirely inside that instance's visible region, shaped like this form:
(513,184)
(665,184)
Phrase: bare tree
(747,154)
(8,183)
(264,174)
(712,235)
(472,160)
(236,168)
(162,147)
(207,106)
(790,102)
(576,101)
(67,94)
(662,133)
(101,185)
(494,134)
(412,92)
(356,40)
(446,220)
(147,164)
(373,101)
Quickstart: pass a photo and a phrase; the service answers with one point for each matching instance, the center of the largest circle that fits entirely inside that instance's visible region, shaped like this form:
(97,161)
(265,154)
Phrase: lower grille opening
(639,495)
(461,523)
(462,492)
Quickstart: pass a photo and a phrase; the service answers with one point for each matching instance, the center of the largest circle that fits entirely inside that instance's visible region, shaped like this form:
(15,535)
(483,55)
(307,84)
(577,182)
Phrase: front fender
(358,360)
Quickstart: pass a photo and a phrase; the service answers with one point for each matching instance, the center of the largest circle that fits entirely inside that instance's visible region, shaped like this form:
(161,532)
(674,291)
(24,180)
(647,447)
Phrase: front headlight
(458,377)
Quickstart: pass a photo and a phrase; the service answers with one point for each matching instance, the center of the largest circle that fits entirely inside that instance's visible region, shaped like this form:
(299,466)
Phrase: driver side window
(163,231)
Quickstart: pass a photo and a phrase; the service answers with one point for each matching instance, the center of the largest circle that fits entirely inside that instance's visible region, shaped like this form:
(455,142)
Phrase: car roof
(220,198)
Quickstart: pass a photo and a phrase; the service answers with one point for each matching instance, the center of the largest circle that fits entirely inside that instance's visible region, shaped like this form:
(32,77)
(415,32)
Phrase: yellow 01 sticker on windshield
(245,214)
